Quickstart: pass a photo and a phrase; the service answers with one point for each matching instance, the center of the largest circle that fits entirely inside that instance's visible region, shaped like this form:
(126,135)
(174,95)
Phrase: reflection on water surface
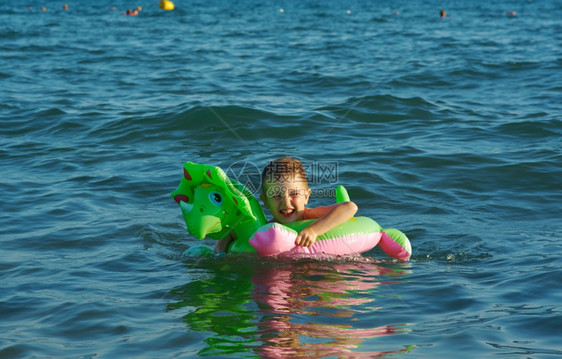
(292,308)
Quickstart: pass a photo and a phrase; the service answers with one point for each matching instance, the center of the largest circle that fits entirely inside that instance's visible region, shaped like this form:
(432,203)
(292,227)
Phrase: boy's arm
(328,217)
(318,212)
(222,244)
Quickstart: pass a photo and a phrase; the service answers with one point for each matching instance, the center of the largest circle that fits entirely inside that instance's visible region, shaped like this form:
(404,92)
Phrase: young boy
(285,193)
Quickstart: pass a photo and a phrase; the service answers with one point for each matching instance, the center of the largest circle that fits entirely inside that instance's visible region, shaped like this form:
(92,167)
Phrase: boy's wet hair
(283,169)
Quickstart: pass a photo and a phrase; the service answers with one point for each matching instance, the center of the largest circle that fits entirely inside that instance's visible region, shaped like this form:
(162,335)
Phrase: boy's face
(286,199)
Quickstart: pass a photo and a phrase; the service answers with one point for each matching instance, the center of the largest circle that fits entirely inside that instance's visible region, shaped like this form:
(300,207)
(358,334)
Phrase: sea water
(448,129)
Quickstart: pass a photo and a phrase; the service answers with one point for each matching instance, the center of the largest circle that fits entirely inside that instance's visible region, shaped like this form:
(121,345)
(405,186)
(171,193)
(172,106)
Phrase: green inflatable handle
(341,194)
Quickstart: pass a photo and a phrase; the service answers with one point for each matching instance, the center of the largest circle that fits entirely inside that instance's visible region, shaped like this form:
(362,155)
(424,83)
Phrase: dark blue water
(446,128)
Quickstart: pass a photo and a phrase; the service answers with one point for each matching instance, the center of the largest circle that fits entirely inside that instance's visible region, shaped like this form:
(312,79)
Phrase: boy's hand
(306,237)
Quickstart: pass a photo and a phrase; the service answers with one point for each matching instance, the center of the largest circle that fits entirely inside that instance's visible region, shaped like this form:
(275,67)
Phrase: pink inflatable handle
(395,243)
(276,239)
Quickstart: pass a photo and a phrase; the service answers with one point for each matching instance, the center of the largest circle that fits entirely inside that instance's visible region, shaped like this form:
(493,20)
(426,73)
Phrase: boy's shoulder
(317,212)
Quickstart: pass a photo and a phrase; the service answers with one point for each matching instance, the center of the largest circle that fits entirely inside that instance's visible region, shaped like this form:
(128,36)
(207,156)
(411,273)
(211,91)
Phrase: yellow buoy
(166,5)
